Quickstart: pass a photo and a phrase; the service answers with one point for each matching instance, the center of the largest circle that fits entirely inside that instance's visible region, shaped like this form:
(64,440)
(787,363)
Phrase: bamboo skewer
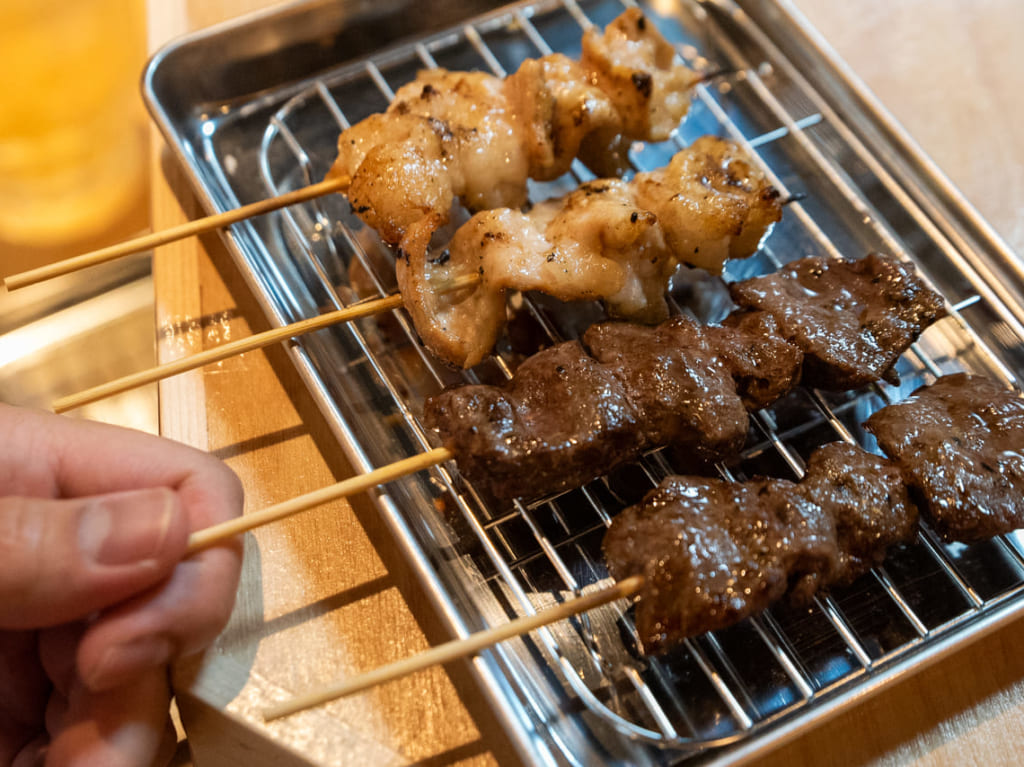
(208,223)
(459,648)
(215,534)
(449,651)
(188,229)
(218,353)
(257,341)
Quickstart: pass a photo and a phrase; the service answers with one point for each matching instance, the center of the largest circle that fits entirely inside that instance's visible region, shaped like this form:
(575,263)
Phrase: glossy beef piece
(763,364)
(960,445)
(865,497)
(677,384)
(851,319)
(568,416)
(713,552)
(558,423)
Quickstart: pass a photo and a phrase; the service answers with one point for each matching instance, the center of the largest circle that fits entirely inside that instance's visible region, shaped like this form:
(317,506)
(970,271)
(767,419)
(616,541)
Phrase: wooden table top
(947,70)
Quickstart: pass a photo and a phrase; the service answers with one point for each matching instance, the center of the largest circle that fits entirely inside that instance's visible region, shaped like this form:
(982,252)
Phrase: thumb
(61,560)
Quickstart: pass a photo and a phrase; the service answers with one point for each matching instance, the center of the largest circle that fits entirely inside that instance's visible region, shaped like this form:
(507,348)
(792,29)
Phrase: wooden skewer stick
(242,345)
(459,648)
(199,226)
(215,534)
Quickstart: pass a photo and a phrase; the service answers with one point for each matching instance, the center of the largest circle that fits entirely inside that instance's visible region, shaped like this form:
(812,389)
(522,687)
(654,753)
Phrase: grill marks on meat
(562,115)
(713,552)
(960,445)
(851,318)
(625,87)
(446,135)
(712,203)
(595,243)
(634,66)
(610,240)
(477,137)
(569,415)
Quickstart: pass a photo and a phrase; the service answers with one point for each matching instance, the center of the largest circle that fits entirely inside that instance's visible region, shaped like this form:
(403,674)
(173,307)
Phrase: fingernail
(128,527)
(121,662)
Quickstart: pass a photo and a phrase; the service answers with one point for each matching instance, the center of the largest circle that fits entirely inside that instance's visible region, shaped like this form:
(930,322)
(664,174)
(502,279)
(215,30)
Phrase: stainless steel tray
(254,108)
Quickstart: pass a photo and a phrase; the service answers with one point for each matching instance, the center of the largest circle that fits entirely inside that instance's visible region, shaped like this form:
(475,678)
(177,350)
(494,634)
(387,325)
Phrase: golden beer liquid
(72,125)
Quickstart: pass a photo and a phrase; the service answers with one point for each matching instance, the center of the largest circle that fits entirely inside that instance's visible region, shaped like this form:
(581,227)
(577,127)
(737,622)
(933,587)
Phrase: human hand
(95,596)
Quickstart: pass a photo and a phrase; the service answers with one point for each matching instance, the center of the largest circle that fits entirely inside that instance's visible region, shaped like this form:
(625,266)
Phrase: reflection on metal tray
(579,691)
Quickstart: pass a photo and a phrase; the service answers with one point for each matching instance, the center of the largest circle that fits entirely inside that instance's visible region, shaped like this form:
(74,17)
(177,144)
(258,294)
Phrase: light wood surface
(459,648)
(947,70)
(950,71)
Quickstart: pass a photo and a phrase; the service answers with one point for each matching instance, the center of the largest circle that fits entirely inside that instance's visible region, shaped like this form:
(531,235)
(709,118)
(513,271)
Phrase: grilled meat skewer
(478,137)
(857,315)
(701,554)
(713,552)
(612,240)
(959,445)
(577,410)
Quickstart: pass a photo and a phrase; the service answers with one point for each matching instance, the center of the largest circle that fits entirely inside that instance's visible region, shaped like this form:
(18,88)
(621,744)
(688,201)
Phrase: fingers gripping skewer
(456,649)
(188,229)
(459,648)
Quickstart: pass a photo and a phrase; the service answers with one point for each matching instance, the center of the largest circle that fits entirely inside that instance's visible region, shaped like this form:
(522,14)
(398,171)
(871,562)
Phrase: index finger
(48,456)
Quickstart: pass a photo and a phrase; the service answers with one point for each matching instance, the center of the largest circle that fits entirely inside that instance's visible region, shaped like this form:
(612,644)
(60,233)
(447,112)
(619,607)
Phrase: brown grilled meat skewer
(713,552)
(577,410)
(858,316)
(959,444)
(705,553)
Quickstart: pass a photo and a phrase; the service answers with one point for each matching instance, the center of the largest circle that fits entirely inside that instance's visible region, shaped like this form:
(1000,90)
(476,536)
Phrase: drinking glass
(72,127)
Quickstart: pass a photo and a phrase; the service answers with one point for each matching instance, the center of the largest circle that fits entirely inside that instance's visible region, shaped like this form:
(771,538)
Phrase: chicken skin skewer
(610,239)
(478,138)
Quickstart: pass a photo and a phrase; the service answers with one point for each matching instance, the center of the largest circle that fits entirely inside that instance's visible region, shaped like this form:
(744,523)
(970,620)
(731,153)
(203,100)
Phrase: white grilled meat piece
(479,138)
(612,240)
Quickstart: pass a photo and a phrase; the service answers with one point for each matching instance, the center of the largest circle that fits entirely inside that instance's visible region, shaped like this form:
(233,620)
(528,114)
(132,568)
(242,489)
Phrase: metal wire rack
(580,690)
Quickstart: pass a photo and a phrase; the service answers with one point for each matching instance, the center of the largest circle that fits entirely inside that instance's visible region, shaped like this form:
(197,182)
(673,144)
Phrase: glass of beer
(72,127)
